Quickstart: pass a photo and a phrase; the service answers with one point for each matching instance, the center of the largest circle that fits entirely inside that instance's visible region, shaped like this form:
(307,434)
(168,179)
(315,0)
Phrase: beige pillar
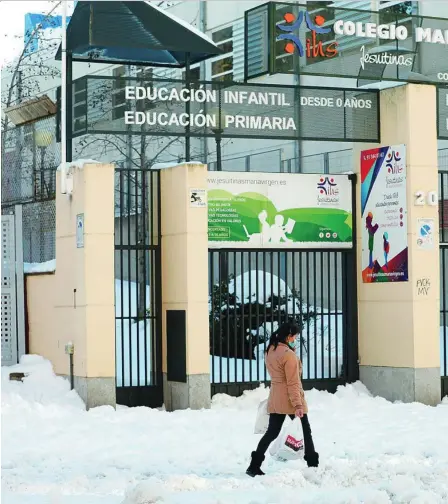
(186,361)
(399,346)
(84,282)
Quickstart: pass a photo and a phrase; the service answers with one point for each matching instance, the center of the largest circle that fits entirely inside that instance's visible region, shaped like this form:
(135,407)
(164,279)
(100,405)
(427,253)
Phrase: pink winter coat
(286,392)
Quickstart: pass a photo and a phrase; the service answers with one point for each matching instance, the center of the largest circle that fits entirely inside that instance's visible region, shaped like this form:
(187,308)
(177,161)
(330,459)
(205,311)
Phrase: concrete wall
(76,304)
(42,324)
(399,342)
(185,282)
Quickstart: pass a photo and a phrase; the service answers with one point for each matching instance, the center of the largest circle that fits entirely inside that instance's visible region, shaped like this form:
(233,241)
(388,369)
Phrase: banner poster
(384,215)
(273,210)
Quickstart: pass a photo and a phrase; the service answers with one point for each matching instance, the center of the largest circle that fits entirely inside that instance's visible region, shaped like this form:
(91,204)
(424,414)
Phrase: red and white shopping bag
(290,444)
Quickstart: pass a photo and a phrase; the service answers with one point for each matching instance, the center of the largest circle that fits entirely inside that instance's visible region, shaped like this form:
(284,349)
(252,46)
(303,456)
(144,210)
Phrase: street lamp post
(43,140)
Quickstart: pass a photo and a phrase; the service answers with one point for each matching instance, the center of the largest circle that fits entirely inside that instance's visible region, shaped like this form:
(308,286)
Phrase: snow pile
(40,385)
(173,164)
(78,164)
(45,267)
(146,493)
(249,399)
(372,451)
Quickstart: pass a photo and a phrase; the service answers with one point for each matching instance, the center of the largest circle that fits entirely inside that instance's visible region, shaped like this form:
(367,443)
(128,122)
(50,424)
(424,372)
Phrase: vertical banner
(273,210)
(384,215)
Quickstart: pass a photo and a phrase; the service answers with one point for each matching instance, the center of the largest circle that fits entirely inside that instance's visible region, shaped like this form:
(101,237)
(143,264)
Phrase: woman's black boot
(312,459)
(254,468)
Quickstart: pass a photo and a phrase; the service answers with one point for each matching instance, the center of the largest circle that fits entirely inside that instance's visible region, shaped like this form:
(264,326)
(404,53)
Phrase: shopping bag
(290,444)
(262,421)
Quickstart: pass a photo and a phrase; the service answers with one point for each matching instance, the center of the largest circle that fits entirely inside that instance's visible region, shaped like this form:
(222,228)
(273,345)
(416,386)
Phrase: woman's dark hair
(281,335)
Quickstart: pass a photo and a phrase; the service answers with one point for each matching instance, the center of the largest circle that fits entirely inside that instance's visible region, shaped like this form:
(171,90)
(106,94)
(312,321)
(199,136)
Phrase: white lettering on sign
(384,59)
(435,36)
(319,101)
(170,119)
(370,30)
(205,96)
(255,98)
(209,121)
(260,122)
(443,76)
(171,94)
(389,32)
(205,120)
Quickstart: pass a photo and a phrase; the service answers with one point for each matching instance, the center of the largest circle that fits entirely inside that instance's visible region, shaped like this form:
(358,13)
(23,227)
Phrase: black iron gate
(138,288)
(443,214)
(253,291)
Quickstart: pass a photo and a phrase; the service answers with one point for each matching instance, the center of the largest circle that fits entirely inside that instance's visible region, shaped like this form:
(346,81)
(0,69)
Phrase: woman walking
(286,396)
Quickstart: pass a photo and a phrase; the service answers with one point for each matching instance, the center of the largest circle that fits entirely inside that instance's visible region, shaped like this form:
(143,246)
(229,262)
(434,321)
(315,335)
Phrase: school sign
(279,211)
(329,41)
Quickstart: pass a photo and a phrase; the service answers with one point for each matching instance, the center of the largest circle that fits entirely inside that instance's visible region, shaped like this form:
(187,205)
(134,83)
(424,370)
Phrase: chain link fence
(30,157)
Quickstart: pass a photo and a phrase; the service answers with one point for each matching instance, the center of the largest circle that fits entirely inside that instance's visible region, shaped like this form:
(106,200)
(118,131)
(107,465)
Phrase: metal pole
(69,111)
(187,107)
(72,374)
(42,172)
(218,149)
(223,255)
(64,99)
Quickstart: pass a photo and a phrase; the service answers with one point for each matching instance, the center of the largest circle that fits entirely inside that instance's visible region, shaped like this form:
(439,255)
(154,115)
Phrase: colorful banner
(384,215)
(273,210)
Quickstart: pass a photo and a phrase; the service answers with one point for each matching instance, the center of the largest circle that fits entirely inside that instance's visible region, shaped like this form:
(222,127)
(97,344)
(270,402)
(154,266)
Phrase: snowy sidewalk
(54,452)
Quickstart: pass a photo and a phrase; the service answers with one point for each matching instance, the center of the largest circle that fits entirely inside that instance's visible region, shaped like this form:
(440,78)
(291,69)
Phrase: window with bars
(222,67)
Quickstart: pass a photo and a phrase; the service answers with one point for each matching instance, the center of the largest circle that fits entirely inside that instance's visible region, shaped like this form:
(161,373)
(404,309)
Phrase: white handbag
(290,444)
(262,421)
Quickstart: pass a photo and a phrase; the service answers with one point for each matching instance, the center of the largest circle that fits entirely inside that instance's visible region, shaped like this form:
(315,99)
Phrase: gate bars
(253,292)
(138,287)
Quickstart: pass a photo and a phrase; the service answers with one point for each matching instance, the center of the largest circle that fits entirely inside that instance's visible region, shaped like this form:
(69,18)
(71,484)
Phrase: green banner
(270,210)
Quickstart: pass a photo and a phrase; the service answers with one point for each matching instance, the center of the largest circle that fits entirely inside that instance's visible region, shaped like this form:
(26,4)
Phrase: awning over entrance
(137,33)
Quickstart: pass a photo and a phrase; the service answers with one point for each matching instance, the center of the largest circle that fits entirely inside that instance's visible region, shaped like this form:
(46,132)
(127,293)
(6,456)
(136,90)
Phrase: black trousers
(275,426)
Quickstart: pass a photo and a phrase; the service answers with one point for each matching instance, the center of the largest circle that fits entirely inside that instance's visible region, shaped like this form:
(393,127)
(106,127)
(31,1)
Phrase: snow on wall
(45,267)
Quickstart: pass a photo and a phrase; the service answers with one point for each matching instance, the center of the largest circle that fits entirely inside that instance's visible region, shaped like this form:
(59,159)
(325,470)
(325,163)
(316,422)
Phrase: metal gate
(443,214)
(138,288)
(12,312)
(252,292)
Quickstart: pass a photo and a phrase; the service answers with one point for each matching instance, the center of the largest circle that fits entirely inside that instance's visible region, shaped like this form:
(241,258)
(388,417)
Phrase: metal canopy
(137,33)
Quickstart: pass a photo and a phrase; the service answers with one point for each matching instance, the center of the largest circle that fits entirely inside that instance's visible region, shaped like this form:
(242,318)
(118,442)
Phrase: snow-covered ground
(54,452)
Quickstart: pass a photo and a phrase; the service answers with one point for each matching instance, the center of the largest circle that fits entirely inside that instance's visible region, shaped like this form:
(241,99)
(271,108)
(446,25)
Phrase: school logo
(393,164)
(327,186)
(327,191)
(313,48)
